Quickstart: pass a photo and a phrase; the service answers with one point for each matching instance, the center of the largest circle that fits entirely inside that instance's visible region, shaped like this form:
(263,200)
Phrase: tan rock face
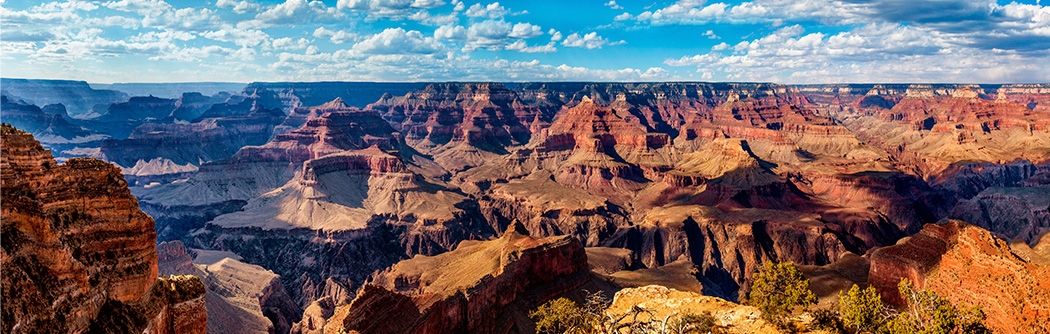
(240,298)
(75,244)
(480,287)
(664,302)
(967,264)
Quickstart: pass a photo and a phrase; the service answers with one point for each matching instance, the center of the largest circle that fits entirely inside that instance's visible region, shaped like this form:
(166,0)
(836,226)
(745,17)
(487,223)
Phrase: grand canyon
(525,167)
(462,207)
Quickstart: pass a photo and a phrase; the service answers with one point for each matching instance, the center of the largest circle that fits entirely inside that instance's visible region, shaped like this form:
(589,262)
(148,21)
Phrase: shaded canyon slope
(78,254)
(481,287)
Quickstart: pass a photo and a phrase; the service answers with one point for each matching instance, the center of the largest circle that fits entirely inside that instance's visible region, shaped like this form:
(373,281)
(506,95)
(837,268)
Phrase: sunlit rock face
(481,287)
(78,254)
(967,264)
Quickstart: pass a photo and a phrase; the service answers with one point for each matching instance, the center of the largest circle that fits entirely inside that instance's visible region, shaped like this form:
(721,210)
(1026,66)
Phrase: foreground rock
(967,264)
(241,297)
(664,302)
(481,287)
(78,254)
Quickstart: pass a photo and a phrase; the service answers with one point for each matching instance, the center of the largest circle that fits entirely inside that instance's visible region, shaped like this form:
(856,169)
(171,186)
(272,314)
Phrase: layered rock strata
(78,254)
(481,287)
(967,264)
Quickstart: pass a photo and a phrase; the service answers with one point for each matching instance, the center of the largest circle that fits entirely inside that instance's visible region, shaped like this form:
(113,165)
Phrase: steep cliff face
(931,128)
(207,140)
(463,124)
(51,123)
(481,287)
(76,246)
(226,185)
(240,298)
(965,263)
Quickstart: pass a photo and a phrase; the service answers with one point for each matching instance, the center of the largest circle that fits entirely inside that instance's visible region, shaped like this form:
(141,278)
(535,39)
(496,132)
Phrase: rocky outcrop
(208,140)
(967,264)
(78,253)
(481,287)
(241,298)
(664,303)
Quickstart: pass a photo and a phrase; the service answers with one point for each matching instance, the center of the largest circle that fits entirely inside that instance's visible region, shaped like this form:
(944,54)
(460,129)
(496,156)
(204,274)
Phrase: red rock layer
(338,128)
(485,114)
(967,264)
(74,243)
(513,274)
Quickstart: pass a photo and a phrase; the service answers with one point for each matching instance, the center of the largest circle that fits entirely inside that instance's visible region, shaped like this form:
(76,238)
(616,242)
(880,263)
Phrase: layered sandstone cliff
(481,287)
(78,254)
(967,264)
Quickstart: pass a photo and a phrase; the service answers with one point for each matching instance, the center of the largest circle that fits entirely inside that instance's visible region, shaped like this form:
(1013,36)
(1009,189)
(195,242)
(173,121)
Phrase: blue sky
(787,41)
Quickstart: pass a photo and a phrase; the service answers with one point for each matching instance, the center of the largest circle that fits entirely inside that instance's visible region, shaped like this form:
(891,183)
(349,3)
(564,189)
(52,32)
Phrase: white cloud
(488,34)
(238,36)
(450,32)
(239,7)
(521,46)
(526,30)
(141,7)
(337,37)
(288,43)
(493,10)
(388,8)
(394,41)
(711,34)
(612,4)
(555,35)
(160,14)
(295,12)
(870,53)
(590,40)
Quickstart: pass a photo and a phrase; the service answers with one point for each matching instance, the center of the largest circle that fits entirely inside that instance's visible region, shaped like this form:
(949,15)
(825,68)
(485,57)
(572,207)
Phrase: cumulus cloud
(591,41)
(493,10)
(521,46)
(450,32)
(288,43)
(398,41)
(612,4)
(239,7)
(335,36)
(525,30)
(238,36)
(388,8)
(874,52)
(295,12)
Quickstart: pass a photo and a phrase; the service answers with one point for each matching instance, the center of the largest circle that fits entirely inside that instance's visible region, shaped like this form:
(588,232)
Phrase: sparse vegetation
(925,313)
(778,289)
(929,313)
(862,310)
(565,316)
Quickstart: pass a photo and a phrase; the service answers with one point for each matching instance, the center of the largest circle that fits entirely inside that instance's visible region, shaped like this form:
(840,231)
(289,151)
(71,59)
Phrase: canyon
(79,255)
(328,203)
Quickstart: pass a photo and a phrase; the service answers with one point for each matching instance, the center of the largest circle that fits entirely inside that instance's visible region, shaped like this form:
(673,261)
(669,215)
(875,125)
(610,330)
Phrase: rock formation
(77,96)
(481,287)
(664,303)
(241,298)
(78,254)
(967,264)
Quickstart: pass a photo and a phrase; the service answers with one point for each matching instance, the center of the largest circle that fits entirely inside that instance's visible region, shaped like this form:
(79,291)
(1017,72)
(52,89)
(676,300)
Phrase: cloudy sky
(788,41)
